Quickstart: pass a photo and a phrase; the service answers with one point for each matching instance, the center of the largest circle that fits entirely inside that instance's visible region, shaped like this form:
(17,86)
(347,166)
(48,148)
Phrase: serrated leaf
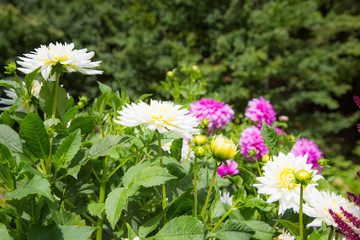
(153,176)
(258,203)
(262,230)
(36,185)
(182,228)
(33,131)
(175,149)
(95,209)
(71,232)
(151,224)
(132,173)
(114,205)
(4,233)
(10,138)
(46,99)
(271,138)
(67,149)
(291,227)
(106,146)
(234,229)
(85,123)
(181,204)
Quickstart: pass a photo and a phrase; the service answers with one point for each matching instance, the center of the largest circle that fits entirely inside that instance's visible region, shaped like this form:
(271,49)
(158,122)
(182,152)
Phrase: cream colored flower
(225,197)
(318,204)
(278,180)
(161,116)
(46,57)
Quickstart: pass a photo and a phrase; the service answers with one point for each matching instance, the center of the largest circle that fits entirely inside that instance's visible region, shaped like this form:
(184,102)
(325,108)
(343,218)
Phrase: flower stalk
(301,220)
(209,192)
(102,198)
(195,187)
(161,165)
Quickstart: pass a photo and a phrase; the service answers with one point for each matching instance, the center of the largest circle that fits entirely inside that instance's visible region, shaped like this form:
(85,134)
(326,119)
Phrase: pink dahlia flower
(303,146)
(250,139)
(217,113)
(260,109)
(231,169)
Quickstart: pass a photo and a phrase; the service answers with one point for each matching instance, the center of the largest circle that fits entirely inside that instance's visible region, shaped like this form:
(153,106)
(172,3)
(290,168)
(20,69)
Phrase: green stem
(117,168)
(209,192)
(331,234)
(258,167)
(83,214)
(102,198)
(53,113)
(195,187)
(161,165)
(301,221)
(225,215)
(19,228)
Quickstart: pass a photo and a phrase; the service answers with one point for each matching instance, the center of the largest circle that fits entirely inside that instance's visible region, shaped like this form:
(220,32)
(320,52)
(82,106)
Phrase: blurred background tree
(302,55)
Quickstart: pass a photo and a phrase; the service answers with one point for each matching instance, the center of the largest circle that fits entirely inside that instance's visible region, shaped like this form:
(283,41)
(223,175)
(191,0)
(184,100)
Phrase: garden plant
(189,168)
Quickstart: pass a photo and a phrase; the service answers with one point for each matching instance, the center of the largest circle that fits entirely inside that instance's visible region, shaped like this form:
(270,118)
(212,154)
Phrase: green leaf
(67,150)
(142,97)
(175,149)
(36,185)
(10,138)
(106,146)
(85,123)
(95,209)
(151,224)
(180,228)
(323,185)
(46,99)
(288,144)
(29,79)
(114,205)
(4,233)
(271,138)
(33,131)
(181,204)
(10,84)
(71,233)
(259,203)
(291,227)
(153,176)
(234,229)
(132,173)
(104,88)
(320,234)
(262,230)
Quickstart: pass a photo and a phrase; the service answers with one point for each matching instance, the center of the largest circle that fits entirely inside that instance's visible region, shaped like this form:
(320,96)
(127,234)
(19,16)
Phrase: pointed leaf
(233,229)
(153,176)
(4,233)
(262,230)
(67,149)
(71,232)
(114,205)
(10,138)
(95,209)
(132,173)
(33,131)
(175,149)
(291,227)
(106,146)
(9,84)
(182,228)
(271,138)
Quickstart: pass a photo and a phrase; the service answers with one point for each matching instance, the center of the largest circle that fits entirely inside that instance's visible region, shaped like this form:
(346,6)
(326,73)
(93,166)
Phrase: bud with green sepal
(199,140)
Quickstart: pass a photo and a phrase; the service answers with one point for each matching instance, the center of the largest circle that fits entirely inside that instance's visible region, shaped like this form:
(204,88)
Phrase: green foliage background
(302,55)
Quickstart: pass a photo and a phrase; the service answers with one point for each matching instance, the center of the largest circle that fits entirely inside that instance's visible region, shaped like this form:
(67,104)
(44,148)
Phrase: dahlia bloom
(303,146)
(35,91)
(278,180)
(250,139)
(231,169)
(217,113)
(161,116)
(260,109)
(318,204)
(45,57)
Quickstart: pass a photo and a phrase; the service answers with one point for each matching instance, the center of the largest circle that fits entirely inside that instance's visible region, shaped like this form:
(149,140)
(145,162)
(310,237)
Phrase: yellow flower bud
(302,176)
(265,158)
(195,68)
(200,139)
(223,148)
(199,151)
(170,74)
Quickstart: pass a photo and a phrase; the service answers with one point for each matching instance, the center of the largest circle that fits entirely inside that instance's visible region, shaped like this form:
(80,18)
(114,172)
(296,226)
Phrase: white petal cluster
(45,57)
(278,180)
(285,235)
(318,204)
(12,97)
(226,198)
(161,116)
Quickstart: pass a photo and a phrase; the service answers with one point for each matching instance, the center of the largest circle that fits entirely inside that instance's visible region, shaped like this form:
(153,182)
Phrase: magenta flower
(260,109)
(231,169)
(303,146)
(279,131)
(217,113)
(250,139)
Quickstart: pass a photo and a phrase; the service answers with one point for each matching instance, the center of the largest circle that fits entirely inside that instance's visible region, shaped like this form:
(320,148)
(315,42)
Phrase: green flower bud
(200,140)
(302,176)
(170,74)
(10,68)
(199,151)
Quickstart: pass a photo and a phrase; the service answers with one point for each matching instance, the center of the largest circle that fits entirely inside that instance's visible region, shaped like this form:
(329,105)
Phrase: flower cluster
(305,146)
(217,113)
(160,116)
(46,57)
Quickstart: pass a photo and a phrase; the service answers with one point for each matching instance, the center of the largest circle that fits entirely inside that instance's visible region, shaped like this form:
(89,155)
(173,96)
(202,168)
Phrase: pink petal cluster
(303,146)
(260,109)
(250,139)
(231,169)
(217,113)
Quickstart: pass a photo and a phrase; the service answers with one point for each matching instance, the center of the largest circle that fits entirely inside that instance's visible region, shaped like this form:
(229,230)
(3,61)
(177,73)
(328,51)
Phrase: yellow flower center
(286,177)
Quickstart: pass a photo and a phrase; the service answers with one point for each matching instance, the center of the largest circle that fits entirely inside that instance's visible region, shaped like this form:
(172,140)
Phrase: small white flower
(226,198)
(47,57)
(35,91)
(161,116)
(278,180)
(318,204)
(285,235)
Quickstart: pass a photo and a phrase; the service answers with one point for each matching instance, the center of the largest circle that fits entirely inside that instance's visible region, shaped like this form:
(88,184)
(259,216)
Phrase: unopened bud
(302,176)
(195,68)
(199,151)
(10,68)
(170,74)
(283,118)
(265,158)
(205,122)
(323,162)
(200,140)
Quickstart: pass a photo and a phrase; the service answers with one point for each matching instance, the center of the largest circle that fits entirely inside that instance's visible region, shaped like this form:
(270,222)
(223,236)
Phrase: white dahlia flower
(278,180)
(47,57)
(161,116)
(318,204)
